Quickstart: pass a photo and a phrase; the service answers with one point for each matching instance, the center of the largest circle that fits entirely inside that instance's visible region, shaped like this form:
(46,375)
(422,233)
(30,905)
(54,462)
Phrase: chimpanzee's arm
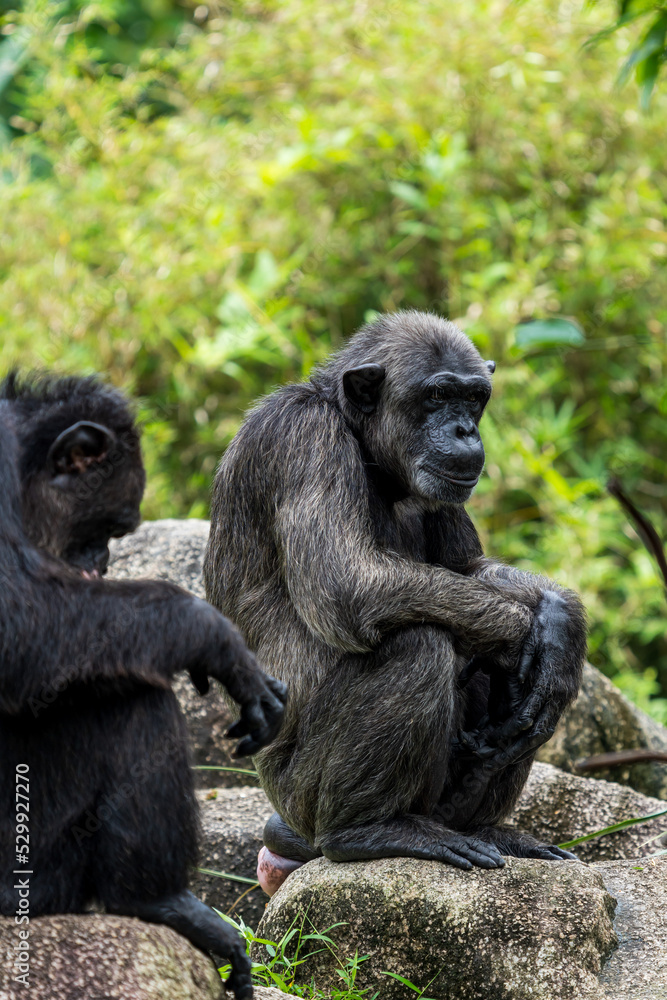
(67,630)
(346,587)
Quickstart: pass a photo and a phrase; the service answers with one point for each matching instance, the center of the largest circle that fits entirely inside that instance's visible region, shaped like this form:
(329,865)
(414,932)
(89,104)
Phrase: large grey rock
(232,825)
(162,550)
(601,721)
(535,929)
(638,969)
(174,550)
(95,957)
(557,807)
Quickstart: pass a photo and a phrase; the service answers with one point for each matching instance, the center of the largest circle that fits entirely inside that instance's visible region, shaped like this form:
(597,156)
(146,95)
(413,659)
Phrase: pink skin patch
(273,869)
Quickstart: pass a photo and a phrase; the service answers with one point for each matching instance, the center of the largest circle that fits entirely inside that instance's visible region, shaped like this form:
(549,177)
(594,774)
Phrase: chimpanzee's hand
(538,689)
(261,716)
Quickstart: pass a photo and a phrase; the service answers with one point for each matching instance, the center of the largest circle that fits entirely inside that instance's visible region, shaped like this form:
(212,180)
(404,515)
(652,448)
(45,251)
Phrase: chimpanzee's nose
(465,428)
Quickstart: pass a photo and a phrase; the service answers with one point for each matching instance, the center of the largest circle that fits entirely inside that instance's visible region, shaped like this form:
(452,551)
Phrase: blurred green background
(201,201)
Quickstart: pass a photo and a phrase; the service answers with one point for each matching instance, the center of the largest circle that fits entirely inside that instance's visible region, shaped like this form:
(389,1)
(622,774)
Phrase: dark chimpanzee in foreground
(87,714)
(423,676)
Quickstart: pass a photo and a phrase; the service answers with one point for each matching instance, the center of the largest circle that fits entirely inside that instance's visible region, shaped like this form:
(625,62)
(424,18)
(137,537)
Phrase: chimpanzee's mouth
(90,561)
(455,480)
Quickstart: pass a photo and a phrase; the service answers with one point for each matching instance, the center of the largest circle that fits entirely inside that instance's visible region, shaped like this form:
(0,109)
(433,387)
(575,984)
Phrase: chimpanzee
(422,675)
(88,719)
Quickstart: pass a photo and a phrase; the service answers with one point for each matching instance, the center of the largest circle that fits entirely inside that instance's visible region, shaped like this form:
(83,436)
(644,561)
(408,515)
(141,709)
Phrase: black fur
(85,675)
(340,546)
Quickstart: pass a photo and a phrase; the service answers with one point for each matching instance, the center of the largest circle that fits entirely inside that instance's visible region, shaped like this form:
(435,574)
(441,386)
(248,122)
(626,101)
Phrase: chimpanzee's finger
(277,687)
(528,657)
(523,747)
(520,722)
(470,669)
(251,744)
(252,717)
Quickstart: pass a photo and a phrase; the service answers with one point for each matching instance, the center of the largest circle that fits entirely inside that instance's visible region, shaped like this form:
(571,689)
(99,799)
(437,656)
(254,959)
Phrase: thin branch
(619,758)
(645,529)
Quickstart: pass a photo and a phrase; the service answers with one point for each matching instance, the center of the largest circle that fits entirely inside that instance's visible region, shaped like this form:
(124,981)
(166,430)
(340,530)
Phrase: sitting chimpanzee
(87,715)
(340,546)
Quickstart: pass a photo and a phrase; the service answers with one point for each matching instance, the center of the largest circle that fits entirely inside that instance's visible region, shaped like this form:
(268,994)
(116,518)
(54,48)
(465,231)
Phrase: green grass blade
(219,767)
(402,979)
(612,829)
(227,875)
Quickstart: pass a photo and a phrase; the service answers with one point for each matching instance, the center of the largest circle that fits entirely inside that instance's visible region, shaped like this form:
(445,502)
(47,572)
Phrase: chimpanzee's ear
(78,447)
(362,386)
(491,365)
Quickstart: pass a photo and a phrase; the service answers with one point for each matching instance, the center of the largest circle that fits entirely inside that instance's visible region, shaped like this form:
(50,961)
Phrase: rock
(638,970)
(95,957)
(535,929)
(556,807)
(174,550)
(162,550)
(600,721)
(232,825)
(100,957)
(208,718)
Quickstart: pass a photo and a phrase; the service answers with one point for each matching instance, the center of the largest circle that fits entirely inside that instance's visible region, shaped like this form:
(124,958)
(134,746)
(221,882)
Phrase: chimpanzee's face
(423,426)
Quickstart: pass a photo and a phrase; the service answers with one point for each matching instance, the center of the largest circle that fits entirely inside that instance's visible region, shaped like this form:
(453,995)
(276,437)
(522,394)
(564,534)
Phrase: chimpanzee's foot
(516,844)
(199,924)
(283,853)
(411,837)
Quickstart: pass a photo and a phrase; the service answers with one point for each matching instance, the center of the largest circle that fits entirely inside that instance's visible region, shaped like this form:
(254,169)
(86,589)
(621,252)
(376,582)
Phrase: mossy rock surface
(535,930)
(100,957)
(602,721)
(94,956)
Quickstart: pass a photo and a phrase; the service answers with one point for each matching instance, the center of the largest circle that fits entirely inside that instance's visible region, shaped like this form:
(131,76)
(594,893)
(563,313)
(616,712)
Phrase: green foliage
(623,825)
(643,688)
(207,216)
(285,957)
(650,53)
(543,333)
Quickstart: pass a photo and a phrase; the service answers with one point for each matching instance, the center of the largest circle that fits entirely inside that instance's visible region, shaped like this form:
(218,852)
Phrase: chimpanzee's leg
(481,792)
(147,842)
(372,781)
(490,793)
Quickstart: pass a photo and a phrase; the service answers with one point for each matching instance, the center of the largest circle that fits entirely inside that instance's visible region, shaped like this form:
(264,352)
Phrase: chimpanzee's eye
(438,392)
